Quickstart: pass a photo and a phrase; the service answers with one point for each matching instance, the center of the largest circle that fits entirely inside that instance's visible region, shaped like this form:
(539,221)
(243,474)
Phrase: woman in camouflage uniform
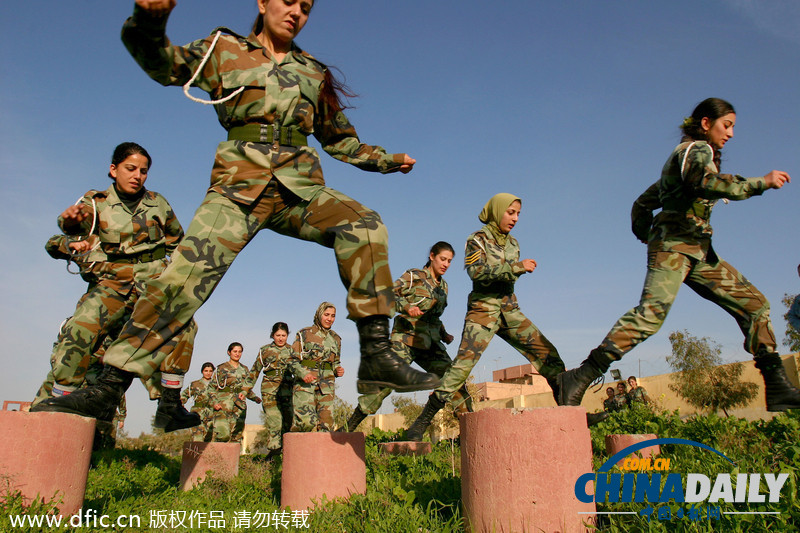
(315,365)
(418,332)
(274,360)
(621,399)
(228,393)
(679,251)
(492,262)
(636,392)
(269,96)
(202,405)
(135,231)
(610,404)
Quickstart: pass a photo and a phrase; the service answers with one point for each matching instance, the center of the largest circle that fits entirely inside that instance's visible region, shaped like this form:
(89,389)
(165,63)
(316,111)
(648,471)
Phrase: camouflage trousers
(273,412)
(433,359)
(84,337)
(514,328)
(313,405)
(205,431)
(717,282)
(221,228)
(95,367)
(229,423)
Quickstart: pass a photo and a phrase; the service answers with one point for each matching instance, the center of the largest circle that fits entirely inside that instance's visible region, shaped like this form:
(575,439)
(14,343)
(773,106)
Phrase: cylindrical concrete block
(519,467)
(405,448)
(617,443)
(46,455)
(321,464)
(199,458)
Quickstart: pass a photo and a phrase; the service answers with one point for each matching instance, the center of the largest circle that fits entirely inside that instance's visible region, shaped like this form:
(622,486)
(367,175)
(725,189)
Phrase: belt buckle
(263,133)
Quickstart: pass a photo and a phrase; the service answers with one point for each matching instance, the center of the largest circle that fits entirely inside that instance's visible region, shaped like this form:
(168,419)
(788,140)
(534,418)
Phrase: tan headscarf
(493,212)
(318,315)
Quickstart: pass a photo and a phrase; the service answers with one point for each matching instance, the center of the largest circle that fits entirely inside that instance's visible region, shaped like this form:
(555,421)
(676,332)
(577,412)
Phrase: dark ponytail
(438,248)
(711,108)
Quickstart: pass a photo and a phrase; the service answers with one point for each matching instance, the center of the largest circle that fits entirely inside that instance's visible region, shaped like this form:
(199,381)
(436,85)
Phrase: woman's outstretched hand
(777,178)
(157,7)
(408,164)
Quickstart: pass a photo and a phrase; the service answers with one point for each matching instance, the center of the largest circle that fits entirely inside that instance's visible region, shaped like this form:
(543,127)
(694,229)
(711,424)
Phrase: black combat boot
(103,436)
(171,415)
(572,384)
(380,367)
(355,419)
(417,429)
(781,394)
(595,418)
(553,382)
(591,418)
(98,401)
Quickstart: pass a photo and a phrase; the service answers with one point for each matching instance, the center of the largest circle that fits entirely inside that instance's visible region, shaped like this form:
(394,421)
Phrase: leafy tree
(702,379)
(406,406)
(792,340)
(341,412)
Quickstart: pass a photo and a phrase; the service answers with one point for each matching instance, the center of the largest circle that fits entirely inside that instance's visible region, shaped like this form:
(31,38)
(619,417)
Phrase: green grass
(422,494)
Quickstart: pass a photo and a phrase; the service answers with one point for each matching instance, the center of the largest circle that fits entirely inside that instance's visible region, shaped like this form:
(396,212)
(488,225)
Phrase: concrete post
(519,467)
(322,464)
(617,443)
(199,458)
(46,456)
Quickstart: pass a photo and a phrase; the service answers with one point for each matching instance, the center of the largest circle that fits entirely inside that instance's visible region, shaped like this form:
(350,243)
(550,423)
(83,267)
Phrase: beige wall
(657,388)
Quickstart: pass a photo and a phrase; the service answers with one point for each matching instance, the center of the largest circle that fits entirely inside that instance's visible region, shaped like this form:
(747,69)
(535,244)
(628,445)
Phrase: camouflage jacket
(610,404)
(122,410)
(621,401)
(199,391)
(318,349)
(493,269)
(285,94)
(639,394)
(274,361)
(689,187)
(123,234)
(226,384)
(88,263)
(642,212)
(419,288)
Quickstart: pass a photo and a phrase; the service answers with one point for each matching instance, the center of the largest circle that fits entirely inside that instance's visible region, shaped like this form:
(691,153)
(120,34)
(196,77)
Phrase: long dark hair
(124,150)
(334,91)
(438,248)
(233,345)
(711,108)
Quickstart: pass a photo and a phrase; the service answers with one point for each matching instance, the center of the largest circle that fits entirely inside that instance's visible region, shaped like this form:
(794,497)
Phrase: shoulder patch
(472,258)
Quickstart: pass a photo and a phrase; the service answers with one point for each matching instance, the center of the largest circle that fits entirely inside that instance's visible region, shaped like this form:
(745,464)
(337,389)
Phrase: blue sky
(573,106)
